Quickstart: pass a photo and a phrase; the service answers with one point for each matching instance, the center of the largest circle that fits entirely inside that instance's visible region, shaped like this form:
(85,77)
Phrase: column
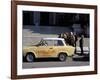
(37,18)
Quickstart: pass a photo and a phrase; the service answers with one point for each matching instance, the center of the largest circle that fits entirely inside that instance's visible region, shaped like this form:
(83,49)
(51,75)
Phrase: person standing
(71,39)
(81,42)
(76,38)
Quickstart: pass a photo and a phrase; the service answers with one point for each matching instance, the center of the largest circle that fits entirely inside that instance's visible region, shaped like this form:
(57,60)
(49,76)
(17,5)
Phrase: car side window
(55,43)
(60,43)
(50,42)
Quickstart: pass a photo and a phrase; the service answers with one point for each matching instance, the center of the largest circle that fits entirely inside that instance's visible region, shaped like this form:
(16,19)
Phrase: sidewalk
(79,57)
(85,49)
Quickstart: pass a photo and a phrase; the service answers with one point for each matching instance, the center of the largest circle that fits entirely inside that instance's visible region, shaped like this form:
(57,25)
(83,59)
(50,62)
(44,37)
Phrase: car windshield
(41,43)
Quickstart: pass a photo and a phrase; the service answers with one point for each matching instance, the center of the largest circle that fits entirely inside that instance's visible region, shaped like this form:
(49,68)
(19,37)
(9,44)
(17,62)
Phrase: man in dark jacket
(81,42)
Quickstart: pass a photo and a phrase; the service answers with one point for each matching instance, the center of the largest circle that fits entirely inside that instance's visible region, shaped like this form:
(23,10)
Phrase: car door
(51,48)
(46,50)
(42,51)
(51,51)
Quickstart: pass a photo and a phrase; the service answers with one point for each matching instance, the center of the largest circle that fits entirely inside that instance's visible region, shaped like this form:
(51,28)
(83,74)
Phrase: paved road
(55,63)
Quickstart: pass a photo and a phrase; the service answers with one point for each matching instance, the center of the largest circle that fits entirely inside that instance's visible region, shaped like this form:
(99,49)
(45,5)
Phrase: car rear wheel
(30,57)
(62,57)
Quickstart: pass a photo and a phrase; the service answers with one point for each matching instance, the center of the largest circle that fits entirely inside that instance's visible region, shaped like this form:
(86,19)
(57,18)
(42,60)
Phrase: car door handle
(50,48)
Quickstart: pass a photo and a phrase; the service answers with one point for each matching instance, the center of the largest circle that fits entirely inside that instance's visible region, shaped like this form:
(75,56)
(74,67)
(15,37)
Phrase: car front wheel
(30,57)
(62,57)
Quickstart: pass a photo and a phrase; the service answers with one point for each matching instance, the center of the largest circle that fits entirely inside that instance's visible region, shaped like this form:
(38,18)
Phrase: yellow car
(48,47)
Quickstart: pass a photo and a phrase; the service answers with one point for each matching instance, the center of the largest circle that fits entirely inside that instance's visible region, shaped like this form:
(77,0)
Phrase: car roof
(53,38)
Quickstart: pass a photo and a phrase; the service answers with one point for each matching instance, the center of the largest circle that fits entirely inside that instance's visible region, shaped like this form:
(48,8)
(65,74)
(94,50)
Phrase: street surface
(54,63)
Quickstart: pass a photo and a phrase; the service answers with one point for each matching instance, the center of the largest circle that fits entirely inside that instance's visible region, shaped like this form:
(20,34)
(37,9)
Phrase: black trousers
(81,47)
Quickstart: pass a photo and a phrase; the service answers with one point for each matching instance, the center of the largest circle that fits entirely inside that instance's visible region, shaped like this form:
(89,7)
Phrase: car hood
(29,47)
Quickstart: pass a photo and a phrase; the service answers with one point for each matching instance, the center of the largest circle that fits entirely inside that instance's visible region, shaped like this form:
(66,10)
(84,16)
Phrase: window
(54,43)
(60,43)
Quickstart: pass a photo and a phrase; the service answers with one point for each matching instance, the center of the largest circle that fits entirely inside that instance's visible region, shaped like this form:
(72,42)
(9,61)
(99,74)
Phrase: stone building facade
(54,19)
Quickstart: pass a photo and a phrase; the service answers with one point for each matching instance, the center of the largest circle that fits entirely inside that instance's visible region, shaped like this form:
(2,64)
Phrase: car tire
(30,57)
(62,57)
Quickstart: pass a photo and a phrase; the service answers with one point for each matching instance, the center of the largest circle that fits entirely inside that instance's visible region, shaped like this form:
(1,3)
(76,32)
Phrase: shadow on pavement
(46,59)
(81,58)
